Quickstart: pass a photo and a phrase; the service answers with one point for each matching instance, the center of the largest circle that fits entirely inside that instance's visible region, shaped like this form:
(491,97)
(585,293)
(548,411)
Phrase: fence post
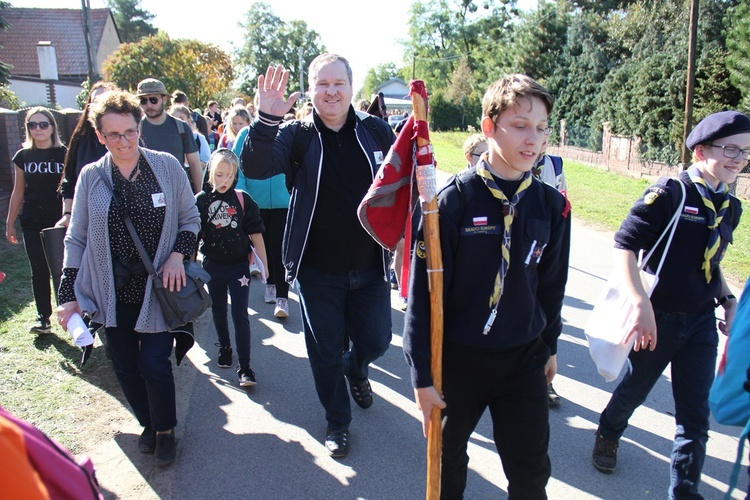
(10,142)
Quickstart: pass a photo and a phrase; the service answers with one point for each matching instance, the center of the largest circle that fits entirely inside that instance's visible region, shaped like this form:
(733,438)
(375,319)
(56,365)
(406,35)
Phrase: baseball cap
(150,86)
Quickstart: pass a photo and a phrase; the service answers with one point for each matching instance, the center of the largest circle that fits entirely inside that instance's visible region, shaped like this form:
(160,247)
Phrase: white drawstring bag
(611,319)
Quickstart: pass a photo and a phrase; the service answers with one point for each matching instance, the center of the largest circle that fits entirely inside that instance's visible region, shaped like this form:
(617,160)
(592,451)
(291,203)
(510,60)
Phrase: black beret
(718,126)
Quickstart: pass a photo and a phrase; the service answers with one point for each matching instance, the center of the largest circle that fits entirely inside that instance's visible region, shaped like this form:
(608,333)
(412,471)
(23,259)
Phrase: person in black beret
(680,311)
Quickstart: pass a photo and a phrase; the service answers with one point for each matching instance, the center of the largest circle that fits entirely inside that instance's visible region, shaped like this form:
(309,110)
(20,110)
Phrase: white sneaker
(254,269)
(282,308)
(270,295)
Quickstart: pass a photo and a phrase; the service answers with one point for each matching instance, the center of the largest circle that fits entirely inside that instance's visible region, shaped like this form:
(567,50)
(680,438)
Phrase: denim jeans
(143,368)
(337,308)
(689,342)
(227,277)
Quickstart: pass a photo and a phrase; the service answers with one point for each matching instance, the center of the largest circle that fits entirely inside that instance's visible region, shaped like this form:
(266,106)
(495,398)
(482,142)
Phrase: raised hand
(271,90)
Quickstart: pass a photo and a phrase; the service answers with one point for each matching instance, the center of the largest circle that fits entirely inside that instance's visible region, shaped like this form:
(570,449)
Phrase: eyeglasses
(34,125)
(152,100)
(114,137)
(732,151)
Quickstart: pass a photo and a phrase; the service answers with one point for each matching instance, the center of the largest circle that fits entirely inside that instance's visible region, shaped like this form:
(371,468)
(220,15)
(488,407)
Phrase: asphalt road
(266,442)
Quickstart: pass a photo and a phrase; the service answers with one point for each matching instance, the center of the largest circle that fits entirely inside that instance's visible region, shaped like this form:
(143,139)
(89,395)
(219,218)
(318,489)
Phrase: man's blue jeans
(337,308)
(689,342)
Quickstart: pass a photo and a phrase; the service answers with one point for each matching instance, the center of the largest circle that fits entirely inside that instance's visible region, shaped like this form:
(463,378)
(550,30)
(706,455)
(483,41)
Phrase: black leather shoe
(361,392)
(147,440)
(337,443)
(166,449)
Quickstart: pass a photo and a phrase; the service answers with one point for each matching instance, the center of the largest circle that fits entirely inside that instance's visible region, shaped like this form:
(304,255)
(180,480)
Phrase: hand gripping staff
(385,213)
(427,185)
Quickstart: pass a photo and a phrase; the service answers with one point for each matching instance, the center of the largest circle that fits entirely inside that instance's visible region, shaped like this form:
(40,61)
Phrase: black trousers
(513,385)
(275,221)
(40,274)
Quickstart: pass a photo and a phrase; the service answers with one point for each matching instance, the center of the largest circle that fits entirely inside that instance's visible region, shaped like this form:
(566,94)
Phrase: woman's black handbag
(190,302)
(179,308)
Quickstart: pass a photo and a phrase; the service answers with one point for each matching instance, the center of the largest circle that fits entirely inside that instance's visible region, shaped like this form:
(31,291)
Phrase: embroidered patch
(650,198)
(480,230)
(421,252)
(535,253)
(691,210)
(480,221)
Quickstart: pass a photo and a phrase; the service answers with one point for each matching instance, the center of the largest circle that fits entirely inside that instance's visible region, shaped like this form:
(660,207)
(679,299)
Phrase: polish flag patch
(480,221)
(691,210)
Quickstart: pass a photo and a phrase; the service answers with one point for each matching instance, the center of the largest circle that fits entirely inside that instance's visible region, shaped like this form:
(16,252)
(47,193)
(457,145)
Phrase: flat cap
(718,126)
(150,86)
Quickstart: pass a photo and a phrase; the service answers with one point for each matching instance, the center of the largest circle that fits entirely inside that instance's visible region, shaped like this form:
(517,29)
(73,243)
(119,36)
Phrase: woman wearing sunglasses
(39,168)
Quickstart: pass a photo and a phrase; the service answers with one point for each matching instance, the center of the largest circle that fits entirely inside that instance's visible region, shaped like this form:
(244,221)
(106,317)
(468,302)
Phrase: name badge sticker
(158,200)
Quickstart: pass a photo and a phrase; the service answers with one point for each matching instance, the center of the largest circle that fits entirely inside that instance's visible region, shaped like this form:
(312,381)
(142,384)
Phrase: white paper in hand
(79,332)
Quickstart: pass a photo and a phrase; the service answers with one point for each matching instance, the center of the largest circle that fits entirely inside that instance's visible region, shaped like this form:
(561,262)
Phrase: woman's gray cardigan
(87,245)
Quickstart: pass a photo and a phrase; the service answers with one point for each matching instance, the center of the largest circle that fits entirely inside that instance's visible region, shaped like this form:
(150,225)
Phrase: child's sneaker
(270,295)
(42,325)
(246,376)
(282,308)
(254,269)
(225,357)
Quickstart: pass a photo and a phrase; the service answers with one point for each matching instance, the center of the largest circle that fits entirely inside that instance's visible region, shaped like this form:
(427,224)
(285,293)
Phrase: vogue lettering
(43,167)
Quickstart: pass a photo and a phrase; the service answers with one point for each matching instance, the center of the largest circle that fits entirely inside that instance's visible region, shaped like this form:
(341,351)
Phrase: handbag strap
(671,228)
(131,229)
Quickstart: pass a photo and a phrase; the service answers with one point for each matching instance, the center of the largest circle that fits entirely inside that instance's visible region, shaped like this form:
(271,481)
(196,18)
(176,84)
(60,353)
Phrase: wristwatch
(723,300)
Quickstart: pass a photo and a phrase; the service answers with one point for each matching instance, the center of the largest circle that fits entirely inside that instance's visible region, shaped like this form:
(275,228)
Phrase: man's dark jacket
(269,151)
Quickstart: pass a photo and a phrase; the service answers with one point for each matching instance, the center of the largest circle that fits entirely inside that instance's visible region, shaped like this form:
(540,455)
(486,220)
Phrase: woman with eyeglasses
(39,168)
(104,276)
(677,324)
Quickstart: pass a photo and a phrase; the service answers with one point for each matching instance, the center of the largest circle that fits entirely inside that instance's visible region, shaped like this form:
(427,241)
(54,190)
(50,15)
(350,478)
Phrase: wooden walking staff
(427,185)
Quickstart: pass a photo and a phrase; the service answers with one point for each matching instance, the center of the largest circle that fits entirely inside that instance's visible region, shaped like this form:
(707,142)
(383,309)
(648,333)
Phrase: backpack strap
(557,163)
(241,199)
(181,129)
(301,143)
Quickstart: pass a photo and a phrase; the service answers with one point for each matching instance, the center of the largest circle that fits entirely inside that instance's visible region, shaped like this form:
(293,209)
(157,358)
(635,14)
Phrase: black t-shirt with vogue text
(42,171)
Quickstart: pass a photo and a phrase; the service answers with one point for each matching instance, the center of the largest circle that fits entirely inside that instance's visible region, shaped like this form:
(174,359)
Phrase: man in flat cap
(681,308)
(163,132)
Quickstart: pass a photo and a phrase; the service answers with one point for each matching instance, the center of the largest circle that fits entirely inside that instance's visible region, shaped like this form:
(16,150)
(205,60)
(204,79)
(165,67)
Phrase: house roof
(62,27)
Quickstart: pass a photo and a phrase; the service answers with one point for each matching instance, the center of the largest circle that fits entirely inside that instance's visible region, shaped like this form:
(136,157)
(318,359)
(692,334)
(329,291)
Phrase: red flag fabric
(386,210)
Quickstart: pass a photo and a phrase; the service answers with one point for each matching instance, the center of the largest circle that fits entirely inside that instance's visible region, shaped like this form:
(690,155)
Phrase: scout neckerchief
(509,213)
(537,169)
(714,217)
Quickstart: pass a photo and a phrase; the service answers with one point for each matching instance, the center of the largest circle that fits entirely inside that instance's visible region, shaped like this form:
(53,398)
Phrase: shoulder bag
(179,308)
(610,320)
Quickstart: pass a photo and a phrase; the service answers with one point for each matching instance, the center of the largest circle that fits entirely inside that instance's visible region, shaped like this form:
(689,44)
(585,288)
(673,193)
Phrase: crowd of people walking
(271,189)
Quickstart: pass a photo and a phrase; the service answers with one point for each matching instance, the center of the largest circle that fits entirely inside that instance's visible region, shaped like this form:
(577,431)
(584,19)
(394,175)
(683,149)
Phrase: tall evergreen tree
(133,23)
(738,51)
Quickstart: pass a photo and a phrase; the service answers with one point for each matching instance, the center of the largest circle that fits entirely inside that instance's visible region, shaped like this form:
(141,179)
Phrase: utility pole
(301,72)
(86,18)
(690,80)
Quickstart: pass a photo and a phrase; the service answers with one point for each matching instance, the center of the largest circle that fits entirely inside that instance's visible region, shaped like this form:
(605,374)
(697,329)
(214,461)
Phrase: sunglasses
(152,100)
(34,125)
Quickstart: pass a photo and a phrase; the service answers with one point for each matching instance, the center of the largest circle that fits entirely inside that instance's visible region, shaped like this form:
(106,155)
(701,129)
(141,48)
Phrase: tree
(200,69)
(133,23)
(270,41)
(377,76)
(441,33)
(738,51)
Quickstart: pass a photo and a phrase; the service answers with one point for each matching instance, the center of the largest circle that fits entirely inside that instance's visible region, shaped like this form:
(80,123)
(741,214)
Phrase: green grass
(449,151)
(39,376)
